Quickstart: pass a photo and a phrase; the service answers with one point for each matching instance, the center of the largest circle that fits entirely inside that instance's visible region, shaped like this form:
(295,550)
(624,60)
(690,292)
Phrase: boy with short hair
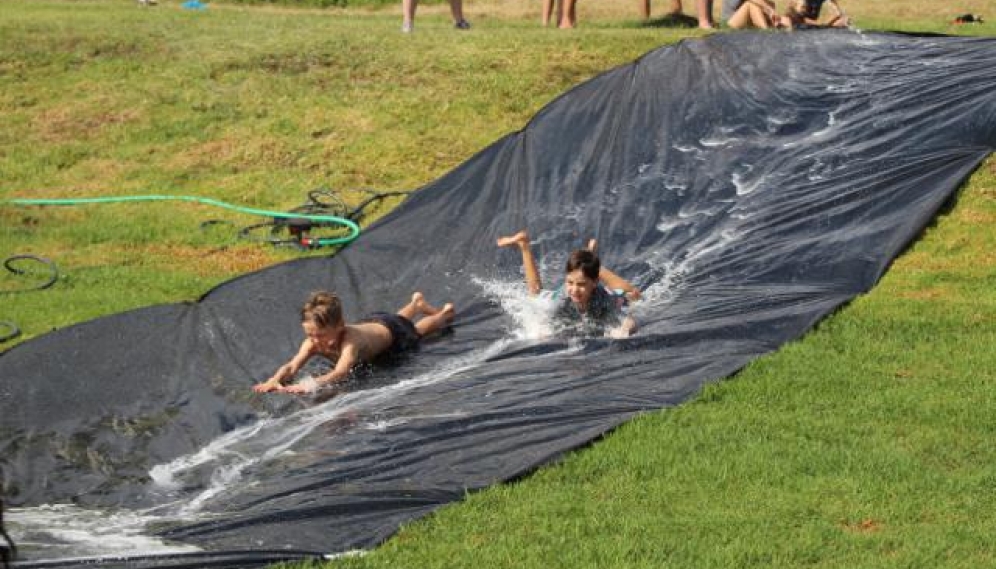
(587,304)
(348,345)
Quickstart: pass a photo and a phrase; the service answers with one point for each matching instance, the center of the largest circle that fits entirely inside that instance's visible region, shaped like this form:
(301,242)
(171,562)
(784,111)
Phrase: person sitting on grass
(806,14)
(595,298)
(348,345)
(762,14)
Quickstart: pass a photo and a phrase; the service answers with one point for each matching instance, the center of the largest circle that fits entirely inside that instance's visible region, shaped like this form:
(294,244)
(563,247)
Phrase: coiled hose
(9,330)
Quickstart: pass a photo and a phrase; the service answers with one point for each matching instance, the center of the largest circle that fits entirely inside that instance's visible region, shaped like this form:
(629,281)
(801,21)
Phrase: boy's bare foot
(421,306)
(448,311)
(520,239)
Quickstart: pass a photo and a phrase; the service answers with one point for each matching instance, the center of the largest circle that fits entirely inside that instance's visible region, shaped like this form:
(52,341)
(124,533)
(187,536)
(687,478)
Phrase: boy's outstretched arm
(615,282)
(348,358)
(286,371)
(611,280)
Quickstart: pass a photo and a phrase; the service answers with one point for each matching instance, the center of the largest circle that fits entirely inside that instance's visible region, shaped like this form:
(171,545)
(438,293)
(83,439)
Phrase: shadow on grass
(671,21)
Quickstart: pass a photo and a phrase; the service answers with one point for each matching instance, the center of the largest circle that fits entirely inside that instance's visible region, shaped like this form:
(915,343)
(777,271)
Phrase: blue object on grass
(194,5)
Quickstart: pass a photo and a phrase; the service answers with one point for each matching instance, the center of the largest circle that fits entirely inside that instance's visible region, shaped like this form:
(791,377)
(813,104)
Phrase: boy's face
(325,338)
(579,287)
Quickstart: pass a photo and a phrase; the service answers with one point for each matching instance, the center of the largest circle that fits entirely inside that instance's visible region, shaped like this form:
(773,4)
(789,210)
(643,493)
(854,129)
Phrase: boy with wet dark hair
(328,335)
(594,297)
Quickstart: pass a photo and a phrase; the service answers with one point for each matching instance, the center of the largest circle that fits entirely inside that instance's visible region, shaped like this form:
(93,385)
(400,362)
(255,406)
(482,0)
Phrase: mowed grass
(869,443)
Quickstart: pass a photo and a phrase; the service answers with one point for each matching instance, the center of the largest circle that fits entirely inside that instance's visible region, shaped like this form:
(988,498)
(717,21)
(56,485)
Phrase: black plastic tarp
(749,183)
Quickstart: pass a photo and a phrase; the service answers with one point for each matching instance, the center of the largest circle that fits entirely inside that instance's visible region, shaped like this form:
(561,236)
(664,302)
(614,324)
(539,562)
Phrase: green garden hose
(354,229)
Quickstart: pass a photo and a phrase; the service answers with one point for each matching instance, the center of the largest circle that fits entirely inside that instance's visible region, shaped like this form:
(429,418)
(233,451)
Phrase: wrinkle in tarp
(748,183)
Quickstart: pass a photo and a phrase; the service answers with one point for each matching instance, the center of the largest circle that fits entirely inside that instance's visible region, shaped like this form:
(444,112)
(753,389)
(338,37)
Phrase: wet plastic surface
(749,183)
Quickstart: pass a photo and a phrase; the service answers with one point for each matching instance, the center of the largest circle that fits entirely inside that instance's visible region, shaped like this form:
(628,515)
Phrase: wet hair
(322,308)
(585,260)
(7,552)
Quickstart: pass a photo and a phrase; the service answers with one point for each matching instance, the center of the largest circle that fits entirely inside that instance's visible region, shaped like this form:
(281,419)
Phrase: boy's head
(321,318)
(581,276)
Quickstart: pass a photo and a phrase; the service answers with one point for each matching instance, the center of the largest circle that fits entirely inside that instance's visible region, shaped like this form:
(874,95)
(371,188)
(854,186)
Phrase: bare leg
(548,12)
(748,15)
(417,306)
(410,310)
(675,7)
(408,10)
(521,240)
(424,307)
(456,10)
(568,14)
(704,9)
(645,9)
(437,321)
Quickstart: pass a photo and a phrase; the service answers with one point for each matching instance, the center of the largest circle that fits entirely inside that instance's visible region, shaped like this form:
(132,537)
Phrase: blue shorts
(404,336)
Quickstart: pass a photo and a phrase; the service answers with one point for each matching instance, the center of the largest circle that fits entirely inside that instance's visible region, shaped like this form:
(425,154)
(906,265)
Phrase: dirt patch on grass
(234,152)
(205,262)
(202,261)
(971,216)
(69,122)
(925,294)
(865,526)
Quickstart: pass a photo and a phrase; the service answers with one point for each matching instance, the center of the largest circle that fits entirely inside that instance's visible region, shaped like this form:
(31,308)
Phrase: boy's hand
(297,389)
(267,386)
(619,333)
(626,329)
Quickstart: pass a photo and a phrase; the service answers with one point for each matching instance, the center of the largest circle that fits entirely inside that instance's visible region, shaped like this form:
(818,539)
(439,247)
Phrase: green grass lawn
(869,443)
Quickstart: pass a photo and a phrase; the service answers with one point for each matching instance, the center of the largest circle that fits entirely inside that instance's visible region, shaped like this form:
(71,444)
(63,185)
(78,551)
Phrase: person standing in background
(566,13)
(703,7)
(408,21)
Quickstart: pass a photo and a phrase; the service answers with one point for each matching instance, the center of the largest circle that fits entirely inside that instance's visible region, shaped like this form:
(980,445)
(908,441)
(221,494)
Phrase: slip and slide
(746,201)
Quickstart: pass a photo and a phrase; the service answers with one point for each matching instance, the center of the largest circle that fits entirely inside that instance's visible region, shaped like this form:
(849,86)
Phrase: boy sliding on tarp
(594,299)
(348,345)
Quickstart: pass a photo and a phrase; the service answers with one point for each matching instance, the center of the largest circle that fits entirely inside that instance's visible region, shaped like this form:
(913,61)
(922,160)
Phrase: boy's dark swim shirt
(606,310)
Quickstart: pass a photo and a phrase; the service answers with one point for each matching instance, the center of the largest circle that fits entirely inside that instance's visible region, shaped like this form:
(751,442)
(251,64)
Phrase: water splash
(532,315)
(62,530)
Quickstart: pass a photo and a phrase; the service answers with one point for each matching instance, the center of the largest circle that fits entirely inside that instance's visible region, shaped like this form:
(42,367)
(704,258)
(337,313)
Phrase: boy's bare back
(370,339)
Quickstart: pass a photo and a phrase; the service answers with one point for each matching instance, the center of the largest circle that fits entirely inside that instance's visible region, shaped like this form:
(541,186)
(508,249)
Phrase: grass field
(869,443)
